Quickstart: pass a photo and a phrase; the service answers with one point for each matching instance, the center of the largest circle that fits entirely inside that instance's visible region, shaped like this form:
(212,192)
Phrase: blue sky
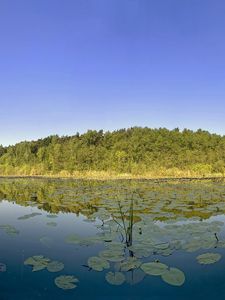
(68,66)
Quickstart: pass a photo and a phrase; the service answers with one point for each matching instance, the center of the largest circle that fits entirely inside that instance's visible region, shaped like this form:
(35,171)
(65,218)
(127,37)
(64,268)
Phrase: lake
(122,239)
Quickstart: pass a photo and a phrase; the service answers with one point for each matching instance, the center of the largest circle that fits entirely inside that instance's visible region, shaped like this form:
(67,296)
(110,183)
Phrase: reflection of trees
(162,200)
(128,211)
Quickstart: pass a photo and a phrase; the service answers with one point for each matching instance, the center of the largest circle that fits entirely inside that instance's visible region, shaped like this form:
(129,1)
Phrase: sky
(69,66)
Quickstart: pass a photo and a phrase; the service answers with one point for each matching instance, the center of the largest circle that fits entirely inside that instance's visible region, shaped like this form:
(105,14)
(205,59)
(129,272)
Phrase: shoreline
(108,178)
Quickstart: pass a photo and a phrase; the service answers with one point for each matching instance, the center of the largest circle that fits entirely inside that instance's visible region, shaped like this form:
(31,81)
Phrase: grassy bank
(102,175)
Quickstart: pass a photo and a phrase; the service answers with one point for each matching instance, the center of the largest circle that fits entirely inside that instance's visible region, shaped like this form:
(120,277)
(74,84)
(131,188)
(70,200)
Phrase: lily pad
(208,258)
(130,264)
(154,268)
(98,263)
(25,217)
(39,262)
(141,250)
(9,229)
(51,216)
(135,276)
(115,278)
(55,266)
(112,255)
(66,282)
(173,276)
(51,224)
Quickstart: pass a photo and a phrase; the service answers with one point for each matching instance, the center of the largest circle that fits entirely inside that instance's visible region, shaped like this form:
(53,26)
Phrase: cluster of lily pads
(167,200)
(9,229)
(172,276)
(165,218)
(35,214)
(39,262)
(148,238)
(12,231)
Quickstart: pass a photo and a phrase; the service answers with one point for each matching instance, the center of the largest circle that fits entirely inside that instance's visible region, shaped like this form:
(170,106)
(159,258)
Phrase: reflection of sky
(9,213)
(20,283)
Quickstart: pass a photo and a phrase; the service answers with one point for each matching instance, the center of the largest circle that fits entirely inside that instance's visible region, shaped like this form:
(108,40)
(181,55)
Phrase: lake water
(76,239)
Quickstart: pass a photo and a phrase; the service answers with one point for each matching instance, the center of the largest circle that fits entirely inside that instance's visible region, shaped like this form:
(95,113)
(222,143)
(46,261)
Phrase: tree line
(136,150)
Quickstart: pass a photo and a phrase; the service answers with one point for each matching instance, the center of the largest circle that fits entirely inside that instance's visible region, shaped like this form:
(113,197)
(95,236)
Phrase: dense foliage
(157,152)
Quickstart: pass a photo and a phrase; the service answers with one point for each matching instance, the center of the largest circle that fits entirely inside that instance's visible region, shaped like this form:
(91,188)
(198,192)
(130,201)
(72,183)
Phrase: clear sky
(73,65)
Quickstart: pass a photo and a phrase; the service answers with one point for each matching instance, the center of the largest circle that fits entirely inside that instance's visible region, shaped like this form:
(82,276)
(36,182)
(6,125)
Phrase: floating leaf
(115,246)
(9,229)
(98,263)
(135,276)
(51,224)
(25,217)
(141,250)
(112,255)
(193,246)
(66,282)
(162,246)
(165,252)
(52,216)
(88,241)
(130,264)
(154,268)
(208,258)
(173,276)
(115,278)
(55,266)
(39,262)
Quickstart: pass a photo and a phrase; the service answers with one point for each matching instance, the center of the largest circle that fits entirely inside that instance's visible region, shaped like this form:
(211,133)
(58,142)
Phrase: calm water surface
(115,239)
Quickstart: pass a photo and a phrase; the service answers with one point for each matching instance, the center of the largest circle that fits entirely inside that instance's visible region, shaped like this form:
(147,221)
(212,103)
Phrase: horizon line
(111,131)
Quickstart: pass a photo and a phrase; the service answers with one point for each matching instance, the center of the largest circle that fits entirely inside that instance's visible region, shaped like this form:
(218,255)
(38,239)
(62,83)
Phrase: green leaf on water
(51,224)
(52,216)
(9,229)
(66,282)
(38,262)
(115,278)
(55,266)
(97,263)
(112,255)
(208,258)
(26,217)
(130,264)
(173,276)
(154,268)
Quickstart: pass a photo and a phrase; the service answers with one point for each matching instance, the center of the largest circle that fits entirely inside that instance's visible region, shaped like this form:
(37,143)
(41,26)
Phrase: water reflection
(79,233)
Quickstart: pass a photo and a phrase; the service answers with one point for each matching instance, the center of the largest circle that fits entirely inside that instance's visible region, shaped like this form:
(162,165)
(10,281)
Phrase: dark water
(117,221)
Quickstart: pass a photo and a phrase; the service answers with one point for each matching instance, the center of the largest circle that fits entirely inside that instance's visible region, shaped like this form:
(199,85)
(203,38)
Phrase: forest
(137,151)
